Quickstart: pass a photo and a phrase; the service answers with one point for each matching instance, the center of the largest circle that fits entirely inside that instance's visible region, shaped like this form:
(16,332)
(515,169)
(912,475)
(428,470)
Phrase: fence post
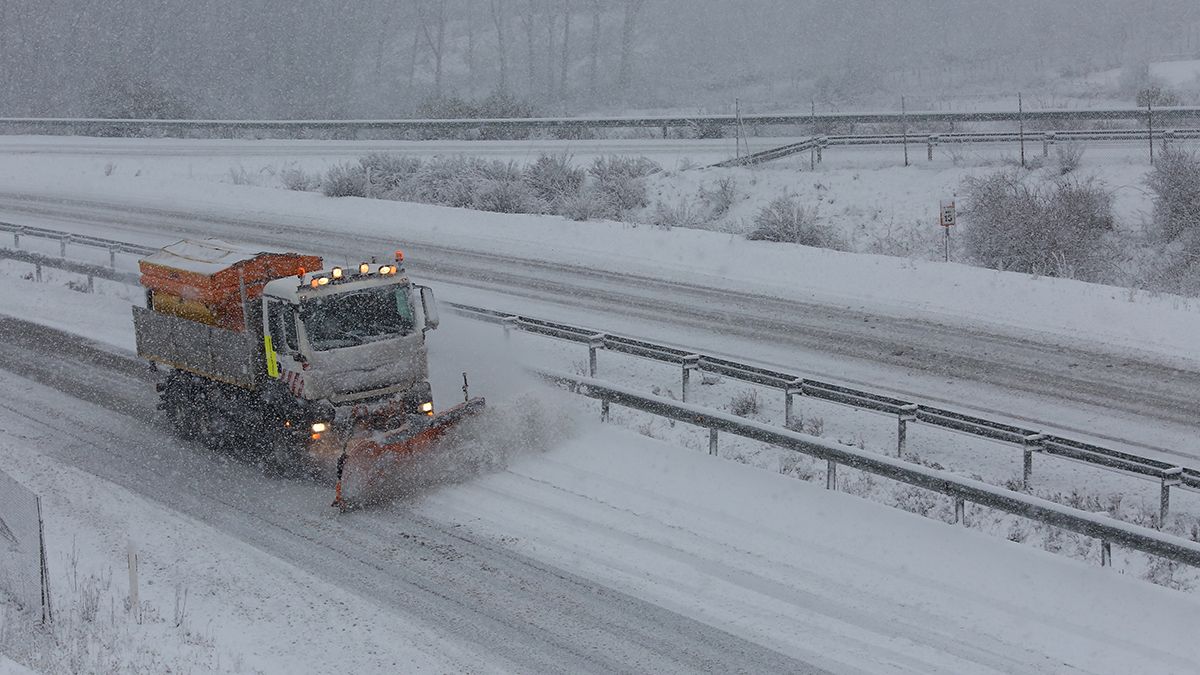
(594,342)
(134,604)
(690,362)
(1170,478)
(1046,141)
(509,323)
(47,610)
(960,511)
(931,141)
(91,284)
(604,413)
(37,271)
(112,257)
(908,413)
(1105,553)
(712,441)
(62,247)
(789,390)
(1030,444)
(830,474)
(17,238)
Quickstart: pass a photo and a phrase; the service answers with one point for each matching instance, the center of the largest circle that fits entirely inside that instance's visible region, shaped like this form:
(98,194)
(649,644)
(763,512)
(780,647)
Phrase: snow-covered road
(603,552)
(1071,385)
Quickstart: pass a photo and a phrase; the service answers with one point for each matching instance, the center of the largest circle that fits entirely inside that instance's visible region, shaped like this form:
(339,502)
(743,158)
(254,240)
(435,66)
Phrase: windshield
(357,317)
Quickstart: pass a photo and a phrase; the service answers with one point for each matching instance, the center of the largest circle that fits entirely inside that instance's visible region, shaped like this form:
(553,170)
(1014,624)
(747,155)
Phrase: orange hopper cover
(201,279)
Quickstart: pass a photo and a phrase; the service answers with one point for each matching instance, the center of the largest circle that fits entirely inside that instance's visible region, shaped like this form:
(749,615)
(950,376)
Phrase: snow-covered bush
(1052,228)
(679,214)
(1067,157)
(387,171)
(588,204)
(507,196)
(345,180)
(553,178)
(299,180)
(786,220)
(1175,183)
(744,403)
(621,180)
(720,198)
(451,181)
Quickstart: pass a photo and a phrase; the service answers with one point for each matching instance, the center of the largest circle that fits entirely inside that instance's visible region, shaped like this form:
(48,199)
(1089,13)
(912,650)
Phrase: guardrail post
(690,362)
(1170,478)
(830,474)
(604,412)
(793,388)
(17,238)
(509,323)
(1168,135)
(594,342)
(819,149)
(62,247)
(712,441)
(37,271)
(908,413)
(91,284)
(1030,444)
(112,257)
(1047,140)
(1105,553)
(960,511)
(930,142)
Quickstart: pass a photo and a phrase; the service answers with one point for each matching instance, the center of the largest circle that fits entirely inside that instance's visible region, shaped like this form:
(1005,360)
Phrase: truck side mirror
(429,308)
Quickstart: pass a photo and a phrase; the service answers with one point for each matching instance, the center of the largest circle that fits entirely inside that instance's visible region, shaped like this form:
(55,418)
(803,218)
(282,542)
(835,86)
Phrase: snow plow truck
(271,356)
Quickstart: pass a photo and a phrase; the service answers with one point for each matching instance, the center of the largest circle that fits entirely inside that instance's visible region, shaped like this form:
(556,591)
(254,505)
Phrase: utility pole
(1021,126)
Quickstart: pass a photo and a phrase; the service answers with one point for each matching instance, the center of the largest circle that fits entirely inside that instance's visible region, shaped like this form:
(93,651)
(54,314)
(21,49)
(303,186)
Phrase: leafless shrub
(785,220)
(679,214)
(1053,229)
(1175,182)
(720,198)
(386,171)
(589,204)
(1067,157)
(299,180)
(239,176)
(621,180)
(507,196)
(554,178)
(744,403)
(344,180)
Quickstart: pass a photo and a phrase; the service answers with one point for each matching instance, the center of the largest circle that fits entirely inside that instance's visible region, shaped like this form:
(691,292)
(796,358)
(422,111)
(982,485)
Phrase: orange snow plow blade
(371,457)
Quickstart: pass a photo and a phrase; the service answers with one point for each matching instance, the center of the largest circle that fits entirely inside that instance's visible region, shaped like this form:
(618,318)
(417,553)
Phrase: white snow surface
(1101,316)
(828,578)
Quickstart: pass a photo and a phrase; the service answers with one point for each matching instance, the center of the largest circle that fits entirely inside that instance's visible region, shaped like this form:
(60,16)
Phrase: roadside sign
(948,214)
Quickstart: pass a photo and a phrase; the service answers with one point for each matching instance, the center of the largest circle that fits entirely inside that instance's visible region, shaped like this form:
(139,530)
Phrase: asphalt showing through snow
(526,615)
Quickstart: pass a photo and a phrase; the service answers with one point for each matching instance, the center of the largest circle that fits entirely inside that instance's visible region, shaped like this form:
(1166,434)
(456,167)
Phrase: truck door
(282,346)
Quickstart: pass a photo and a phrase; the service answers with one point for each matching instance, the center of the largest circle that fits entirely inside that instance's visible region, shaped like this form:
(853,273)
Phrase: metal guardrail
(1030,441)
(400,126)
(932,140)
(962,490)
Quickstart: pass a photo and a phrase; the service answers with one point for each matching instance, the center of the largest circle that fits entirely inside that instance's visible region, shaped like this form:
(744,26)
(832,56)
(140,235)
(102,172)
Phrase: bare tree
(435,40)
(566,48)
(594,64)
(499,19)
(551,21)
(528,20)
(628,26)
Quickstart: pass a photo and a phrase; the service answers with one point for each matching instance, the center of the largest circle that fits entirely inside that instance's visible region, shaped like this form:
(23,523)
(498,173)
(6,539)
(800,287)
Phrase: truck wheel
(177,407)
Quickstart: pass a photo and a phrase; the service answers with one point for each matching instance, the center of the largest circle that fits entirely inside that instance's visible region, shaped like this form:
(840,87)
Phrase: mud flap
(364,462)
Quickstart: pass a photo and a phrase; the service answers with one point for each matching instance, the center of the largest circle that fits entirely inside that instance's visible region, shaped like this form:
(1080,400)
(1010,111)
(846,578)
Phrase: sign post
(947,221)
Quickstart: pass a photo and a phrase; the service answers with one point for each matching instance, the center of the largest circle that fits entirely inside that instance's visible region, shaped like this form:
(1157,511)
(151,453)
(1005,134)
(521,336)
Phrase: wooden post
(830,474)
(712,442)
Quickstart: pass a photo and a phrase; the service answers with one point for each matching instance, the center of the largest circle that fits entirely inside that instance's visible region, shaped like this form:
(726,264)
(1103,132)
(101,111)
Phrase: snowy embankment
(827,578)
(1101,317)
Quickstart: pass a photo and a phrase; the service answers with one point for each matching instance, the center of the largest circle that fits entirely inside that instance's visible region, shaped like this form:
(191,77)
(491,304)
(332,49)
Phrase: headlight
(427,407)
(319,427)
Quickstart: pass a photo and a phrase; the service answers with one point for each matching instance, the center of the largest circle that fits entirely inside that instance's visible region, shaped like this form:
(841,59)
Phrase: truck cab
(354,337)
